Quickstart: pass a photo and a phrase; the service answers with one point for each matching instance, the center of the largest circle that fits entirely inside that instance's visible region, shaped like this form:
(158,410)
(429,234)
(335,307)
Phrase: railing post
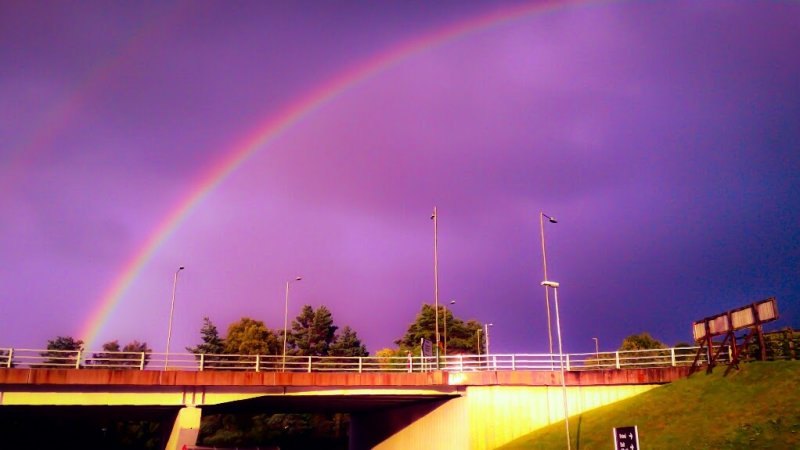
(78,359)
(360,363)
(10,357)
(616,358)
(513,362)
(672,355)
(258,362)
(202,361)
(309,363)
(460,362)
(141,362)
(567,356)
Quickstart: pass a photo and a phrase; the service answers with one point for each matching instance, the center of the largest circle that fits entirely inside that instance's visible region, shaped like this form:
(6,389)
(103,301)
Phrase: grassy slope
(756,407)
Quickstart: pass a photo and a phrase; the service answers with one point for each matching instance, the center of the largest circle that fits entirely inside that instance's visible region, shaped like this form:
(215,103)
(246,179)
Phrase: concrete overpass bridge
(402,406)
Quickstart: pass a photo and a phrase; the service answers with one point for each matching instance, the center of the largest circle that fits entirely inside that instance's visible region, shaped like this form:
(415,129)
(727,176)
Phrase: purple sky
(662,135)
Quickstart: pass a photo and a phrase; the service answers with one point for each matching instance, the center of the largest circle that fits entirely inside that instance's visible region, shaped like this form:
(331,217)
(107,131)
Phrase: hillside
(755,407)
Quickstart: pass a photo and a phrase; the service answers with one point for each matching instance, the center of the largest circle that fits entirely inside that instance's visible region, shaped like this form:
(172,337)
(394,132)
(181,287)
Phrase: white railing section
(82,359)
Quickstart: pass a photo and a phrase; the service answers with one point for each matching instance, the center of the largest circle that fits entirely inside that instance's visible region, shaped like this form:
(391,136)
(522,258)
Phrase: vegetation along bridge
(461,402)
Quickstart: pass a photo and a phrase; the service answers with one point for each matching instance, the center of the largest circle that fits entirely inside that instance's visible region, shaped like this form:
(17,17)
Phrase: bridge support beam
(185,428)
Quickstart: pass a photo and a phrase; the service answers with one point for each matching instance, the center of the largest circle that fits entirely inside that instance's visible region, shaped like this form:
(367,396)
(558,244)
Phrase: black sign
(626,438)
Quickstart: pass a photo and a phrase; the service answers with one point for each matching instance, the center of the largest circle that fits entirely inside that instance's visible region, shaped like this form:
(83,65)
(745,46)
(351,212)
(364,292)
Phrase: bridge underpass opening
(86,427)
(390,412)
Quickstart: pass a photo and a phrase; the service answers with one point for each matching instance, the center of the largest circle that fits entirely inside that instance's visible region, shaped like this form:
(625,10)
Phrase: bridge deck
(111,377)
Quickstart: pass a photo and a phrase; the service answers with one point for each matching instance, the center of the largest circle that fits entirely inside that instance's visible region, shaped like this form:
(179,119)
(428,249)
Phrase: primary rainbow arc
(273,126)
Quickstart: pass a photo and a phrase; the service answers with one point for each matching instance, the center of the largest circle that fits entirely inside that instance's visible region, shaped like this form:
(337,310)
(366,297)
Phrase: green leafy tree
(348,346)
(462,337)
(248,337)
(781,344)
(643,341)
(129,356)
(312,332)
(347,343)
(212,344)
(391,359)
(289,431)
(63,352)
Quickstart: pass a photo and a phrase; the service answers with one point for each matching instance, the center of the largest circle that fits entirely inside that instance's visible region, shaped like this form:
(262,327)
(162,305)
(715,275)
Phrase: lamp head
(551,284)
(298,278)
(552,219)
(180,268)
(452,302)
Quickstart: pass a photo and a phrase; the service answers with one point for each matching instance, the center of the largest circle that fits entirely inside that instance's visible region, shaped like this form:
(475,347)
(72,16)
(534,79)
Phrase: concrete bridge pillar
(185,428)
(436,424)
(483,418)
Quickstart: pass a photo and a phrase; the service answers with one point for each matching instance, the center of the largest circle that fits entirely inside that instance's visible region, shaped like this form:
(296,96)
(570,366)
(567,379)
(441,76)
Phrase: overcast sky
(663,136)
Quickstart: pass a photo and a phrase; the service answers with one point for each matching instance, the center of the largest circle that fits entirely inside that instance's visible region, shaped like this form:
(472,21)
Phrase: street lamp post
(546,288)
(286,321)
(171,310)
(452,302)
(486,334)
(435,218)
(554,285)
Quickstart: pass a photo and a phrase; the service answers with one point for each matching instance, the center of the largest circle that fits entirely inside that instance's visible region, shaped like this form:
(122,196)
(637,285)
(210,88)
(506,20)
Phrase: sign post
(426,352)
(626,438)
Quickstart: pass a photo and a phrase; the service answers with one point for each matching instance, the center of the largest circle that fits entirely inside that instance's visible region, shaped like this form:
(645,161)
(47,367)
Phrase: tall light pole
(486,334)
(452,302)
(546,288)
(435,218)
(171,310)
(554,285)
(286,321)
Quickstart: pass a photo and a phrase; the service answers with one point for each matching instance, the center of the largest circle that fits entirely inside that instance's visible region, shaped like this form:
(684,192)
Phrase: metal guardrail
(81,359)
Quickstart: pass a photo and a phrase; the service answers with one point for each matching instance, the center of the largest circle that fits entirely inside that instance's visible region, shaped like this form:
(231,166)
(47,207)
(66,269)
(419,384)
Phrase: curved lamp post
(286,321)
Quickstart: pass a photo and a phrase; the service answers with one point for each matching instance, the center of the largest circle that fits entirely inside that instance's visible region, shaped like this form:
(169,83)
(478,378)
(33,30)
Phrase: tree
(312,332)
(391,359)
(248,337)
(63,352)
(129,356)
(347,343)
(212,343)
(461,337)
(348,346)
(641,341)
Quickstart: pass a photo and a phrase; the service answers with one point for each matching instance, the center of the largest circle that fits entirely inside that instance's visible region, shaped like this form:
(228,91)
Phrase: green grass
(755,407)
